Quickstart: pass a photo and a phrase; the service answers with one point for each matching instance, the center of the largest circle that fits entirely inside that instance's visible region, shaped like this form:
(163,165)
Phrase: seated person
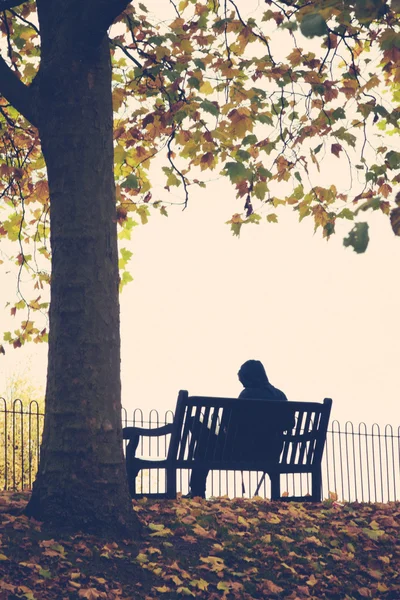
(256,385)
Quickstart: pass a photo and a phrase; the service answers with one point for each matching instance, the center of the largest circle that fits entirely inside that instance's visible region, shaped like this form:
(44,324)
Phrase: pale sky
(321,318)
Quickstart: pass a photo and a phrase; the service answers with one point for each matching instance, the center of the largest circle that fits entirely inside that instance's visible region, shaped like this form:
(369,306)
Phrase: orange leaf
(275,589)
(90,594)
(385,190)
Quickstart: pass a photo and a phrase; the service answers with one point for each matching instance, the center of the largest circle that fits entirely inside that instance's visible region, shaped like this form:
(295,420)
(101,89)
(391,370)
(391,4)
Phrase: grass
(222,549)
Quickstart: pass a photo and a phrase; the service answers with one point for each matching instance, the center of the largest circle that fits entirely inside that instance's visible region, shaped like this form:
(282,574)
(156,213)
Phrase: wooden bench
(253,435)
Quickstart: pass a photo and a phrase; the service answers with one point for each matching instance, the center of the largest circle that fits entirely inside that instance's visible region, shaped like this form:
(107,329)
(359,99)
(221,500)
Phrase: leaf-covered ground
(223,549)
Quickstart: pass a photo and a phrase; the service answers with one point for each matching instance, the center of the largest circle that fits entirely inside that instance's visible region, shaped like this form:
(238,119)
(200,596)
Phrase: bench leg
(131,468)
(170,475)
(275,486)
(316,485)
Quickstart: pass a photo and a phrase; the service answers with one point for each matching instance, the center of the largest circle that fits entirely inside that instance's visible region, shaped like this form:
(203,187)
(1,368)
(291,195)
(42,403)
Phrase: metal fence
(360,463)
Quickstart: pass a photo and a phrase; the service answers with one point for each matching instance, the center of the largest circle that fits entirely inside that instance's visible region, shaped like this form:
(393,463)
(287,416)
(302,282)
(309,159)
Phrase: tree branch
(100,14)
(7,4)
(17,93)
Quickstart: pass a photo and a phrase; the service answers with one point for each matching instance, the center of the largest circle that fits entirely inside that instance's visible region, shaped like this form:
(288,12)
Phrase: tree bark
(81,481)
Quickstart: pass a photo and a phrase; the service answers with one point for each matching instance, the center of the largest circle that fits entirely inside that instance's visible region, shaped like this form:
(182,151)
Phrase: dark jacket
(254,436)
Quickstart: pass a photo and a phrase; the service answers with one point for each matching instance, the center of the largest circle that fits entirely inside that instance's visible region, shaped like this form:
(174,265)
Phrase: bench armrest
(131,432)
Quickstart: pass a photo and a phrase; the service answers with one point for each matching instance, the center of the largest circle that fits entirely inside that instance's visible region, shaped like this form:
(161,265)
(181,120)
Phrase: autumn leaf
(336,149)
(272,587)
(163,589)
(89,593)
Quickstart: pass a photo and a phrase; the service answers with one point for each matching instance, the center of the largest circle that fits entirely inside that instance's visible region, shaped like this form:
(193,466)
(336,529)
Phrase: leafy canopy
(295,103)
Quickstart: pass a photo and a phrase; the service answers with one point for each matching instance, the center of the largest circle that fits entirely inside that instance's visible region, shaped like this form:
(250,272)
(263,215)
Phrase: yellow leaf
(384,559)
(284,538)
(313,540)
(312,580)
(289,568)
(186,46)
(373,82)
(271,518)
(206,88)
(266,538)
(161,52)
(3,557)
(223,585)
(382,587)
(199,583)
(185,591)
(242,521)
(162,589)
(142,558)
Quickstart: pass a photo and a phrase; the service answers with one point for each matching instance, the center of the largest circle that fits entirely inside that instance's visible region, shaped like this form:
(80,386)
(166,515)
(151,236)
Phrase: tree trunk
(81,480)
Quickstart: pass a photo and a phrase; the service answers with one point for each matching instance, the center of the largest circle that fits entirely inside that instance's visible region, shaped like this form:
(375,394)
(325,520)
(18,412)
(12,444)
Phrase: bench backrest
(254,432)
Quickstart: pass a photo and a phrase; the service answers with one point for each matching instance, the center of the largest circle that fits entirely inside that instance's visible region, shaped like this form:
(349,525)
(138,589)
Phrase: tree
(210,88)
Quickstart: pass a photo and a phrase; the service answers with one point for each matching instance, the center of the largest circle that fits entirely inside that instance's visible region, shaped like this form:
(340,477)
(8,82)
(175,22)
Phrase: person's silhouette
(256,385)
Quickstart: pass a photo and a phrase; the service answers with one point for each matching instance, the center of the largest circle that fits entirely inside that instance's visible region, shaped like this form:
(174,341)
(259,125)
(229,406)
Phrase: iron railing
(360,463)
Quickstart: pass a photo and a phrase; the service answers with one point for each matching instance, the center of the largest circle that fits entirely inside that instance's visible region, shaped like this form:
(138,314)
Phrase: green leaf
(343,134)
(265,119)
(249,139)
(119,154)
(243,155)
(194,82)
(236,171)
(358,238)
(172,179)
(126,255)
(125,278)
(298,177)
(199,64)
(131,182)
(45,573)
(313,25)
(393,159)
(339,113)
(265,173)
(346,213)
(210,107)
(260,189)
(389,40)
